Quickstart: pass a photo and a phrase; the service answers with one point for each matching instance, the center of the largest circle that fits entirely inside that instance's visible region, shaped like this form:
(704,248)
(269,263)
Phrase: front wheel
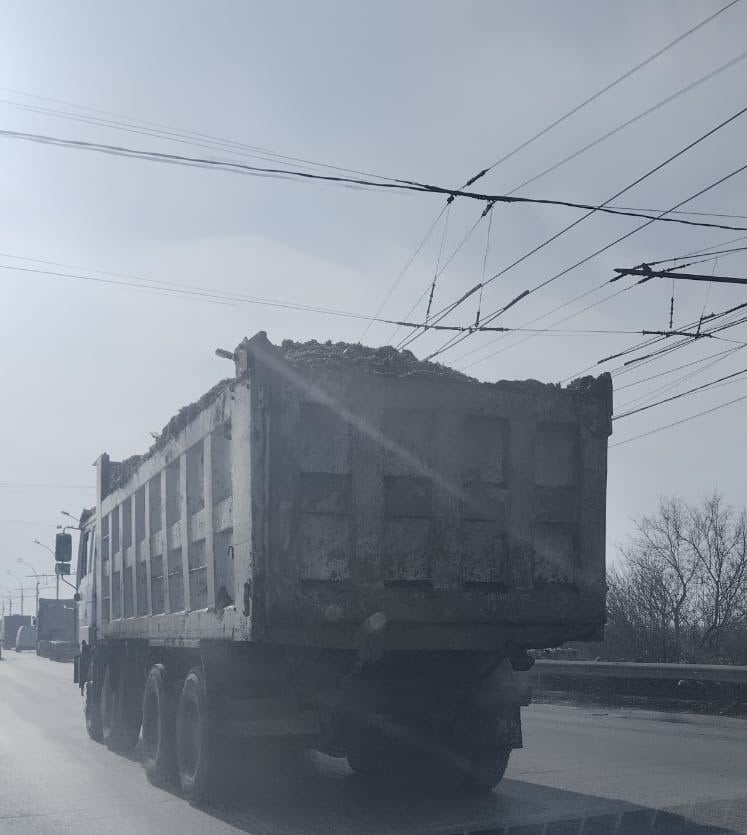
(92,712)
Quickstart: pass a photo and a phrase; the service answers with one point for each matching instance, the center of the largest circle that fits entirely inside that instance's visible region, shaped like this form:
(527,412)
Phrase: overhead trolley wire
(664,373)
(607,135)
(161,131)
(172,288)
(660,390)
(627,74)
(679,422)
(686,89)
(445,311)
(401,275)
(203,294)
(388,183)
(681,394)
(606,88)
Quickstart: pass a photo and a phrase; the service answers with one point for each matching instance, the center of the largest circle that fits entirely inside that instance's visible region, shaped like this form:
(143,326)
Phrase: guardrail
(630,669)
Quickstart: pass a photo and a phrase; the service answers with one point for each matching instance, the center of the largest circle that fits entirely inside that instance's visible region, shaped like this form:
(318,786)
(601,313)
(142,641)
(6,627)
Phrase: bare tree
(680,590)
(649,594)
(717,538)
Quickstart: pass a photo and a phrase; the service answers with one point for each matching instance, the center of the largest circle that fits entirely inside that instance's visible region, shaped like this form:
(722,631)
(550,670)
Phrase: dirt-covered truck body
(346,519)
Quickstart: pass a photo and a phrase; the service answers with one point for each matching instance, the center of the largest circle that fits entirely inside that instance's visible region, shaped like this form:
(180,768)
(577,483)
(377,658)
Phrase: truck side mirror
(63,547)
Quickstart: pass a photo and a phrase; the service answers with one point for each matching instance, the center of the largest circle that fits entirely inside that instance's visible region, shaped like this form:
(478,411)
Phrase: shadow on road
(317,794)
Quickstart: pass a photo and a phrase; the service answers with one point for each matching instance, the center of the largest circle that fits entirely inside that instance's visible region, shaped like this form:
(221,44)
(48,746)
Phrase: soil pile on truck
(343,548)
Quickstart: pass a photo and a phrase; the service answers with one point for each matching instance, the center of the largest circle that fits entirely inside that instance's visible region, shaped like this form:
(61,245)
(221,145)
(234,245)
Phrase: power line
(648,111)
(193,138)
(444,232)
(680,395)
(156,285)
(650,396)
(172,288)
(718,355)
(688,147)
(707,250)
(677,345)
(609,86)
(551,325)
(694,213)
(525,293)
(679,422)
(652,109)
(487,328)
(717,253)
(402,272)
(388,183)
(587,101)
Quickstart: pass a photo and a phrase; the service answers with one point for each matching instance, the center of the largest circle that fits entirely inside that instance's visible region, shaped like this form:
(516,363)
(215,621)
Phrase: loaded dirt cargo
(348,549)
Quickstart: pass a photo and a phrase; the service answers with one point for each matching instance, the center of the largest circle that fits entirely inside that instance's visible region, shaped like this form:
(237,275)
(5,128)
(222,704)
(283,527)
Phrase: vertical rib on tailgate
(449,503)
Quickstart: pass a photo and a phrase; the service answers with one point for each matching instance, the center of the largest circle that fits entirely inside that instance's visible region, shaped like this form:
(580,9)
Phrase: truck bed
(330,497)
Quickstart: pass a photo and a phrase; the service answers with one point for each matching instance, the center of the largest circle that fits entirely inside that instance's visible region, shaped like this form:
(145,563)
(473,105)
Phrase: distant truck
(347,549)
(25,638)
(56,629)
(10,625)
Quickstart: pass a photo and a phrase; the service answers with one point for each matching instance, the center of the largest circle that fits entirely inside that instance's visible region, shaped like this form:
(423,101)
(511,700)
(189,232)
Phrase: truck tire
(92,712)
(159,757)
(120,711)
(488,768)
(195,742)
(469,759)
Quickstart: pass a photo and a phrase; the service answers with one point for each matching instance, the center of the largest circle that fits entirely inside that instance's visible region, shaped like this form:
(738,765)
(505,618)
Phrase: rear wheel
(195,742)
(159,757)
(471,753)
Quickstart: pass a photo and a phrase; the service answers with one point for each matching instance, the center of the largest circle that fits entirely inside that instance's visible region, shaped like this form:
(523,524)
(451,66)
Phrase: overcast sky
(431,91)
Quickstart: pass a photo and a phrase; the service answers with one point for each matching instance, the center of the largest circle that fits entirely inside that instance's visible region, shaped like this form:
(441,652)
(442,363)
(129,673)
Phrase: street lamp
(20,584)
(36,542)
(36,577)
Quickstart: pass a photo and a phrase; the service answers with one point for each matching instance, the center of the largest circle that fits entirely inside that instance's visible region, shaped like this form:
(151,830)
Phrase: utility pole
(37,578)
(20,585)
(36,542)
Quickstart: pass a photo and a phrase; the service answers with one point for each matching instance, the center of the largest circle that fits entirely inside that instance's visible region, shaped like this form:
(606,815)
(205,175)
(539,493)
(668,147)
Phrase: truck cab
(85,579)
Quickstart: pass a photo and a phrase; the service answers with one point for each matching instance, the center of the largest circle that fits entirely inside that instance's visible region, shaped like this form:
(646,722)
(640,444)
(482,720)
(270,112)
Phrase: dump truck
(346,549)
(10,625)
(55,629)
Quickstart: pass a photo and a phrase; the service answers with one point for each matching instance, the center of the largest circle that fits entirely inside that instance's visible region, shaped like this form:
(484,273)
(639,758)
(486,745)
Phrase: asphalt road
(581,771)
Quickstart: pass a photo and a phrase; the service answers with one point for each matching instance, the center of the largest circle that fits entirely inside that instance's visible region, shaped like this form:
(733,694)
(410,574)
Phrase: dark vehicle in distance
(55,628)
(25,639)
(10,626)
